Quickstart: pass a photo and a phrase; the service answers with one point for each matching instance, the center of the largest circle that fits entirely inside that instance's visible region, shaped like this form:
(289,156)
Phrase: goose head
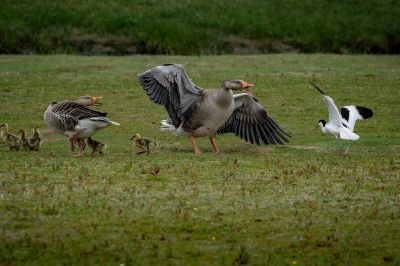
(89,100)
(237,84)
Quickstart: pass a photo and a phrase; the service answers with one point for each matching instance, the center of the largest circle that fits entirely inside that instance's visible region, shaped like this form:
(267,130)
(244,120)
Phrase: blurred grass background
(199,27)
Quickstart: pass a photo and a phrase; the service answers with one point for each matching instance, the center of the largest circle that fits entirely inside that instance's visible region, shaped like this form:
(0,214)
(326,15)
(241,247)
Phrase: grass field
(199,26)
(298,204)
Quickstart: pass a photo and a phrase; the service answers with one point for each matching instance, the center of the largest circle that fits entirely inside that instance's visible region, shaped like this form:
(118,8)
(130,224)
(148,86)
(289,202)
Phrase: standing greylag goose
(9,139)
(196,112)
(35,140)
(76,120)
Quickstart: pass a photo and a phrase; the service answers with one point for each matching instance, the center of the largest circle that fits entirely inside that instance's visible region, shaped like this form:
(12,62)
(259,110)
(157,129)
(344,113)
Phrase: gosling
(9,139)
(96,146)
(35,141)
(143,143)
(23,140)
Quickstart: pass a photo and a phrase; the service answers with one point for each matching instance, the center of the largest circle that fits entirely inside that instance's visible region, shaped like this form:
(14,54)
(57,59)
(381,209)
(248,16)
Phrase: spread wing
(334,115)
(350,114)
(64,116)
(252,123)
(170,86)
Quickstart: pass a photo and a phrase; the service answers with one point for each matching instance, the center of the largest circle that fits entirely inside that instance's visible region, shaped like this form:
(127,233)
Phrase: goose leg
(214,144)
(195,148)
(81,146)
(71,143)
(73,138)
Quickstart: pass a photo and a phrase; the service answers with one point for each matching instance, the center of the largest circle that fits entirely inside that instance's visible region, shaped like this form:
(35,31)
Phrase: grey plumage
(76,120)
(196,112)
(170,86)
(64,116)
(252,123)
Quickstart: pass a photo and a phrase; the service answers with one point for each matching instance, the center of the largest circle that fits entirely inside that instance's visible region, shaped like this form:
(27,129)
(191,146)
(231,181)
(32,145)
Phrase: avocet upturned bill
(341,124)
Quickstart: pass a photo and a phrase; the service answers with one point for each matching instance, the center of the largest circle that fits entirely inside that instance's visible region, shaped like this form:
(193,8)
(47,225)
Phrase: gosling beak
(96,99)
(316,126)
(246,86)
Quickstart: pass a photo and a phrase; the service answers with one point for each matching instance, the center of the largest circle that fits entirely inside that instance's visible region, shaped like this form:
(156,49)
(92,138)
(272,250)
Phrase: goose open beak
(96,99)
(246,86)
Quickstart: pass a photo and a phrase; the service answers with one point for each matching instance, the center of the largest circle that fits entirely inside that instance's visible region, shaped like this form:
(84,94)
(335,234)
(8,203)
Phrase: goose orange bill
(96,99)
(246,86)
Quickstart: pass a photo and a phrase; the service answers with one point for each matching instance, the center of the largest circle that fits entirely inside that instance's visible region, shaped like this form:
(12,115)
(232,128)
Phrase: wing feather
(252,123)
(334,115)
(170,86)
(351,113)
(64,116)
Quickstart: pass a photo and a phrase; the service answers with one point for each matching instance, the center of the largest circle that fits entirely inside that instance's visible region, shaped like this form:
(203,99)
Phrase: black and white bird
(196,112)
(341,123)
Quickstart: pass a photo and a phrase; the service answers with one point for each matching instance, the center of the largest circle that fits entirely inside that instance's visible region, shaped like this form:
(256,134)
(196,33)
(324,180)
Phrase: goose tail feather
(167,126)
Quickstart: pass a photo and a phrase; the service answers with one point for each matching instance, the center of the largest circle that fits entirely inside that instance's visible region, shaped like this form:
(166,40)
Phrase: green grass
(298,204)
(199,26)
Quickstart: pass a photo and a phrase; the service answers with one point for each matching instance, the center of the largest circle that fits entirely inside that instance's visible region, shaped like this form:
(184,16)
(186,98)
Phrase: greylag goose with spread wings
(196,112)
(74,118)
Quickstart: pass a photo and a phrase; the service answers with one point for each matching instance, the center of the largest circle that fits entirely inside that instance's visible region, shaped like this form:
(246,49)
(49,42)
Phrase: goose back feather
(64,116)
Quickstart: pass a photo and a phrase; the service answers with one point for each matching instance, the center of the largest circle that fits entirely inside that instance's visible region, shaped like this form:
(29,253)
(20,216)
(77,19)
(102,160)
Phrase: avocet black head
(321,123)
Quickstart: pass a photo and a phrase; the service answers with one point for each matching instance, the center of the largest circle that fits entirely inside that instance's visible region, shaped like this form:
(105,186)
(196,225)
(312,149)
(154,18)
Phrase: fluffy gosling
(35,140)
(9,139)
(24,141)
(96,146)
(143,143)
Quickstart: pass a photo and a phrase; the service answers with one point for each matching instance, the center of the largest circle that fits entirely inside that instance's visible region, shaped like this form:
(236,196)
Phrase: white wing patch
(334,116)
